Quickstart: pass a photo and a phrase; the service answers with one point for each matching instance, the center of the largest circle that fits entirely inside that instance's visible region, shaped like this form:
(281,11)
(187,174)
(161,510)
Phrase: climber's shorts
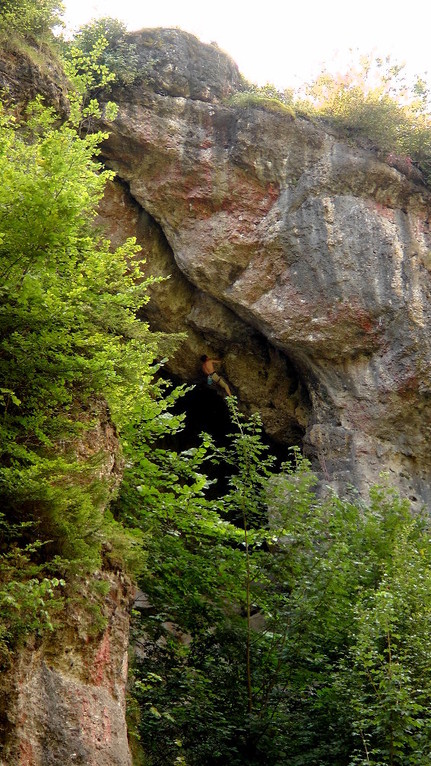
(213,378)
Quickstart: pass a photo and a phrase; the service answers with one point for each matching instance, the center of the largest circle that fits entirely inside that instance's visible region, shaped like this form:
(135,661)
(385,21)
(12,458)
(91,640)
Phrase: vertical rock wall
(283,232)
(66,697)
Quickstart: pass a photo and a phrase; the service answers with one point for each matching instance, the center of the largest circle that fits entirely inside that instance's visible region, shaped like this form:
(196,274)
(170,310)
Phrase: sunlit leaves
(378,102)
(339,659)
(31,18)
(74,358)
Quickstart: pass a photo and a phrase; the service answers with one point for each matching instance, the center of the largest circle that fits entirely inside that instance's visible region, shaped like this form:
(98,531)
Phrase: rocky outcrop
(173,63)
(29,72)
(262,377)
(303,259)
(65,700)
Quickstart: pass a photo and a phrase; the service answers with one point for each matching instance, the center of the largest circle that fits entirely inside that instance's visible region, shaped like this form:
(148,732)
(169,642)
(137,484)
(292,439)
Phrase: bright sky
(278,41)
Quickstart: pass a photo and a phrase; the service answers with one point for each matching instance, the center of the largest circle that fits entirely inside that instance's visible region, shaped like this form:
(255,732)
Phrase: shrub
(250,99)
(30,18)
(119,54)
(378,103)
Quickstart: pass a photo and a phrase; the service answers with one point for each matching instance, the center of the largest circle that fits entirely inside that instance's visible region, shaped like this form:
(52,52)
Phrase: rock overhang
(314,245)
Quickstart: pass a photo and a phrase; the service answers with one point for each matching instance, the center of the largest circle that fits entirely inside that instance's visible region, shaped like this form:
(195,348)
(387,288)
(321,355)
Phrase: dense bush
(30,18)
(302,641)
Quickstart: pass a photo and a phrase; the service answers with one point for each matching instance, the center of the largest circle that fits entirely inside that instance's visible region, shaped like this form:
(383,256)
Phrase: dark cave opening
(206,410)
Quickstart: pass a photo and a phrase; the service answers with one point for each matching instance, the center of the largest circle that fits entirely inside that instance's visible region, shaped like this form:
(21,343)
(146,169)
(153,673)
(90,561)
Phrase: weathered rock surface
(27,73)
(174,63)
(65,701)
(62,701)
(263,377)
(285,236)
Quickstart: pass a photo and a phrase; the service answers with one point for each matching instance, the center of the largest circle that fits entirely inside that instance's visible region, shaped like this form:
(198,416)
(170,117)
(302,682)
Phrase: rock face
(66,700)
(305,261)
(27,73)
(62,700)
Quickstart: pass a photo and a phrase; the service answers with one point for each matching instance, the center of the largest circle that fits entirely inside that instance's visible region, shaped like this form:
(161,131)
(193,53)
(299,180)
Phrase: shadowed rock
(285,236)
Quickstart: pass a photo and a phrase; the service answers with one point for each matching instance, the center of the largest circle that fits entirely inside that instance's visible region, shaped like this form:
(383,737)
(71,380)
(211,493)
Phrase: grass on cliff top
(255,100)
(379,102)
(43,54)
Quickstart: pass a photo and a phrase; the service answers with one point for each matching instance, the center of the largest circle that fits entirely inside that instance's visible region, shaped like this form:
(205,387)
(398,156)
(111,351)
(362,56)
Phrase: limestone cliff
(303,259)
(63,701)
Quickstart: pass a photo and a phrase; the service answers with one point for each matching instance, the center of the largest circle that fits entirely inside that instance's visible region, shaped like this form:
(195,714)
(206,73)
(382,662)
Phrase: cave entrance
(206,410)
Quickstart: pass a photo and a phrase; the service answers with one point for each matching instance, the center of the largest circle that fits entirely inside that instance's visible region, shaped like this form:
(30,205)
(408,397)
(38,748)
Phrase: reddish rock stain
(26,755)
(102,661)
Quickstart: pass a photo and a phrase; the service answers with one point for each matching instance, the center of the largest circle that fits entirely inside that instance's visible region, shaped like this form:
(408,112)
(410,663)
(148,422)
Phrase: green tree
(72,353)
(30,18)
(119,54)
(387,671)
(299,636)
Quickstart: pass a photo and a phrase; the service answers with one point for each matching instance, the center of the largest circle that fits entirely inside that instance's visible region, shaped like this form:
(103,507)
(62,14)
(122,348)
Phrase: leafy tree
(72,352)
(30,18)
(194,560)
(119,54)
(386,675)
(378,101)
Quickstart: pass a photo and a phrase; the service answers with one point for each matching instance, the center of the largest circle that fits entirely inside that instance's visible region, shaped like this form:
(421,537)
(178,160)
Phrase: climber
(209,371)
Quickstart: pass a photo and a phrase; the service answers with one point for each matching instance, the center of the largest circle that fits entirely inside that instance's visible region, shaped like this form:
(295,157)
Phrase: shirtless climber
(209,371)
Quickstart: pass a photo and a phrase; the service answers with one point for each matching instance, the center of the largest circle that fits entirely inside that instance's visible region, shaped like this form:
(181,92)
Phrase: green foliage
(387,676)
(270,91)
(88,75)
(28,598)
(30,18)
(72,356)
(281,628)
(256,99)
(377,102)
(163,493)
(119,55)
